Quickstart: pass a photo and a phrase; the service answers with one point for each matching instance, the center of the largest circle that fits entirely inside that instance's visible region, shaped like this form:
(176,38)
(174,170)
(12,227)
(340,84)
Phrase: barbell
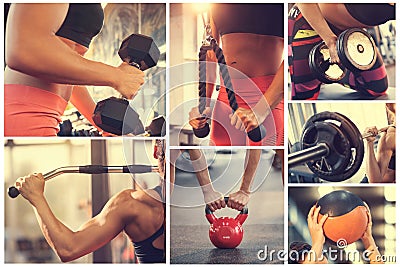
(331,145)
(91,169)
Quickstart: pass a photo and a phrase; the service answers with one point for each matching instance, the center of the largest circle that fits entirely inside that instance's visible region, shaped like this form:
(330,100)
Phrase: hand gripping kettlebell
(226,232)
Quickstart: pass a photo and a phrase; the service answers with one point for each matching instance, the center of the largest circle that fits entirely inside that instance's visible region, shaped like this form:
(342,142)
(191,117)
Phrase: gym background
(361,114)
(72,197)
(186,35)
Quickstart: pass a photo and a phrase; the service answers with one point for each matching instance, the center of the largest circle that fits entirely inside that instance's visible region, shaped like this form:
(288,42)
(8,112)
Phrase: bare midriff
(254,55)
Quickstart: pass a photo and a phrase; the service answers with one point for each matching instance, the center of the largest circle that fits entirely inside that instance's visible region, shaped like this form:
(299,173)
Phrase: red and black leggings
(302,38)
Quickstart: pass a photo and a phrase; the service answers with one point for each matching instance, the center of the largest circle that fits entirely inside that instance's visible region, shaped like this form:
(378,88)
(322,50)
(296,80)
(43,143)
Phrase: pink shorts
(30,111)
(248,92)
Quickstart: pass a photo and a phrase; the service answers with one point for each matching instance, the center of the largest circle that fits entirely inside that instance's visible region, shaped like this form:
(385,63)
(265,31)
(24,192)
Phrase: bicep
(384,153)
(214,29)
(101,229)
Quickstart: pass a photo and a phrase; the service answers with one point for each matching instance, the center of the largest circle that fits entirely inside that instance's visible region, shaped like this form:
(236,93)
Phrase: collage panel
(244,218)
(226,77)
(102,73)
(342,142)
(127,143)
(342,224)
(342,51)
(100,196)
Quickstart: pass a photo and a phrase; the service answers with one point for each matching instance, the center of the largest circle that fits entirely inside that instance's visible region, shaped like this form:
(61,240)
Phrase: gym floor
(189,228)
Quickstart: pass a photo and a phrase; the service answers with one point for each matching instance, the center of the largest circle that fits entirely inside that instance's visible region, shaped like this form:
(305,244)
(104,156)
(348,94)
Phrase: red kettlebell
(226,232)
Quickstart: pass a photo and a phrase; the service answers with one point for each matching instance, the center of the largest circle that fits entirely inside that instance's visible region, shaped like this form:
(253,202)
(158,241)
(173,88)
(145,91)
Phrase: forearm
(250,167)
(83,101)
(315,255)
(373,252)
(314,17)
(200,167)
(373,170)
(59,237)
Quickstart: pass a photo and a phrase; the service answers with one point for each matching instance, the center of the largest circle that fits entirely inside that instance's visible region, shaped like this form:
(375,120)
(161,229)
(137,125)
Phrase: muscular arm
(83,101)
(368,241)
(272,97)
(374,255)
(250,167)
(95,233)
(314,17)
(315,255)
(213,198)
(240,198)
(377,165)
(200,167)
(33,48)
(252,118)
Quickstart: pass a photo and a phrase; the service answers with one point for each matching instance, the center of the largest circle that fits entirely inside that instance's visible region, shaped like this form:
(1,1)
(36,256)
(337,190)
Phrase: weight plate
(339,154)
(352,134)
(356,49)
(356,142)
(320,66)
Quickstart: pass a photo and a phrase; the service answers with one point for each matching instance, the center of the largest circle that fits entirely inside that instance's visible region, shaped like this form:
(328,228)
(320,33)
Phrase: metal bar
(59,171)
(307,154)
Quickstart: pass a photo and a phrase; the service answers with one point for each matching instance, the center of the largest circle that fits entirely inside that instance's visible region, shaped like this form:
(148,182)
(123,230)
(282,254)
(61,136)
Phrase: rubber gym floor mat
(191,244)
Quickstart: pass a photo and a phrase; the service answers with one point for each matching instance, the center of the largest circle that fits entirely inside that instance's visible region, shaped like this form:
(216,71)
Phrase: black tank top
(264,19)
(82,23)
(371,14)
(392,162)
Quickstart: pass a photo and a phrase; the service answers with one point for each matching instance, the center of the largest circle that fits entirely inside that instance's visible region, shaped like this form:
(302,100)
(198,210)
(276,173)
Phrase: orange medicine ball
(348,218)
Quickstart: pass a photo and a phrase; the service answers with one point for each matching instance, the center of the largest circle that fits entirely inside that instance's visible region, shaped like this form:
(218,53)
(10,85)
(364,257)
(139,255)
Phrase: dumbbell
(90,169)
(356,50)
(141,52)
(66,129)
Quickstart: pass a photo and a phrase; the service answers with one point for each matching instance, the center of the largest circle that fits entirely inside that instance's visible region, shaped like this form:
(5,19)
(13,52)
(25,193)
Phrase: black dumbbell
(115,115)
(356,50)
(65,128)
(157,126)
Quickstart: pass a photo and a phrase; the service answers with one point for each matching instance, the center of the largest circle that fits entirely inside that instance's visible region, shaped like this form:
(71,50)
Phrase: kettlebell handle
(241,217)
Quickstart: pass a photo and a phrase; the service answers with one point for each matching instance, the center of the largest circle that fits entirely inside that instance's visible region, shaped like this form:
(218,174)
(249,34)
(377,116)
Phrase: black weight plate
(339,154)
(356,142)
(356,49)
(354,137)
(318,61)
